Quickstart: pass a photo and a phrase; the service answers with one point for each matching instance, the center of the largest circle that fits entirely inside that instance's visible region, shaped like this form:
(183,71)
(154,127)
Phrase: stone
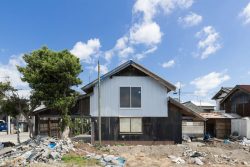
(54,155)
(244,163)
(198,161)
(177,160)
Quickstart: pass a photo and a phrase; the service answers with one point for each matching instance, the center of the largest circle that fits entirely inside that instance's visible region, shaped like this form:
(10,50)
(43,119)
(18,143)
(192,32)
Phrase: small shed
(47,121)
(218,124)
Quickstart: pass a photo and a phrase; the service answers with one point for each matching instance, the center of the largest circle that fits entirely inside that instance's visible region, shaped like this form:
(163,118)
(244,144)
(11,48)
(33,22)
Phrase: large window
(130,125)
(130,97)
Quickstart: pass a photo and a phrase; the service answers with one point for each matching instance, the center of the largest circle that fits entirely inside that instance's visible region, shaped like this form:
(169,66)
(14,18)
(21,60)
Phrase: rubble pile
(40,149)
(107,160)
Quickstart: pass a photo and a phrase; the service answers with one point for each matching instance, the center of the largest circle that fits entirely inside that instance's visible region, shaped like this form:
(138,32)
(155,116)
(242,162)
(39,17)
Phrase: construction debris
(107,160)
(40,149)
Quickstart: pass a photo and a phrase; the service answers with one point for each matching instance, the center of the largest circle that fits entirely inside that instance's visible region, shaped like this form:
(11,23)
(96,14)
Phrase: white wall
(242,126)
(153,98)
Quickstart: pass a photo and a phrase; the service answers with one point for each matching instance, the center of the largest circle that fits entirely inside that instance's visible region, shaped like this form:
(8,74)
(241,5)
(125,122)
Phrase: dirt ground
(214,154)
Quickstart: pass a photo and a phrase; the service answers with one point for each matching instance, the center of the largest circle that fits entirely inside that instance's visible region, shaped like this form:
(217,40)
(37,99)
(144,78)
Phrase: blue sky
(201,44)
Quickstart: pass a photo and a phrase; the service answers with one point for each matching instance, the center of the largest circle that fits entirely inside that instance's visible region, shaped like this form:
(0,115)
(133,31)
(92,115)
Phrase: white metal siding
(242,126)
(153,98)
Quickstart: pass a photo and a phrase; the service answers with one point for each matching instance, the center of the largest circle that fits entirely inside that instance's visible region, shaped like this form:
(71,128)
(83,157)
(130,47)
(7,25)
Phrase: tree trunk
(30,125)
(65,124)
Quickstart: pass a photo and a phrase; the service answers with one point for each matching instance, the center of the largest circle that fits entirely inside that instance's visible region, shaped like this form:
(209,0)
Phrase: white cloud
(206,83)
(103,69)
(85,51)
(208,42)
(121,43)
(142,55)
(192,19)
(179,85)
(245,14)
(147,33)
(125,52)
(168,64)
(9,72)
(149,8)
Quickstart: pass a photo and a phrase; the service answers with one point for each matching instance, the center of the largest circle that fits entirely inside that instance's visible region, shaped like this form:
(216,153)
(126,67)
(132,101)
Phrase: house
(220,95)
(217,124)
(229,108)
(237,101)
(135,108)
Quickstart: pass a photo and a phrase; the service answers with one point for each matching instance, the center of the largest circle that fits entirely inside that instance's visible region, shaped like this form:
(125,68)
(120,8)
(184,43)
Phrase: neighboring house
(199,108)
(220,96)
(218,124)
(135,107)
(237,101)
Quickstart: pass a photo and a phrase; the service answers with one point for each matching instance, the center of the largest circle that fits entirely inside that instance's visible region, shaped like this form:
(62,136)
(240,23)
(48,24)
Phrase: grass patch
(79,160)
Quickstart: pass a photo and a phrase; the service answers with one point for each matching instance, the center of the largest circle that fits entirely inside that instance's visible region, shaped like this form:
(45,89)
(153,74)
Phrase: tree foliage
(51,76)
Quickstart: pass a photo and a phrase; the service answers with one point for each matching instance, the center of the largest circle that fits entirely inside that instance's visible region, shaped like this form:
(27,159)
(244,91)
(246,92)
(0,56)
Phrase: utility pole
(179,94)
(99,107)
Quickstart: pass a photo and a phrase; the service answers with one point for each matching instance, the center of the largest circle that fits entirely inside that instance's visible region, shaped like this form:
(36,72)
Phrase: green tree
(51,76)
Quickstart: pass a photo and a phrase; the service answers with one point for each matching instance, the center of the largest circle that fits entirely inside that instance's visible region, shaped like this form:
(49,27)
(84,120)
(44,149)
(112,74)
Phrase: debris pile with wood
(40,149)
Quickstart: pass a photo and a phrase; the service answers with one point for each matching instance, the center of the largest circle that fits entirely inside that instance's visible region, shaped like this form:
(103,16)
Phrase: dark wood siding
(153,128)
(238,102)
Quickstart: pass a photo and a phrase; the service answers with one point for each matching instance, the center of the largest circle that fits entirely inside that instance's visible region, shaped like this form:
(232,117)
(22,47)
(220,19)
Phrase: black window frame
(130,106)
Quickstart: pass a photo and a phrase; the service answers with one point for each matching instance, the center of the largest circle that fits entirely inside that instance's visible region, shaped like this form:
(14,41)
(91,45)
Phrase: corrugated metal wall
(153,98)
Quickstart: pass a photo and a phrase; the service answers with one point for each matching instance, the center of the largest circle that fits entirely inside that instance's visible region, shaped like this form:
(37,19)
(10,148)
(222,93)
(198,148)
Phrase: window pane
(136,125)
(124,125)
(136,97)
(124,97)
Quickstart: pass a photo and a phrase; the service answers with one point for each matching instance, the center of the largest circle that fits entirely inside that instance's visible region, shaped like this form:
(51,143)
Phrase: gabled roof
(168,85)
(244,88)
(224,90)
(186,109)
(193,107)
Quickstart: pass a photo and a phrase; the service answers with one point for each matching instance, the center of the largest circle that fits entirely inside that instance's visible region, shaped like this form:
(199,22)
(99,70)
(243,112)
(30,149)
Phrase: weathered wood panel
(222,128)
